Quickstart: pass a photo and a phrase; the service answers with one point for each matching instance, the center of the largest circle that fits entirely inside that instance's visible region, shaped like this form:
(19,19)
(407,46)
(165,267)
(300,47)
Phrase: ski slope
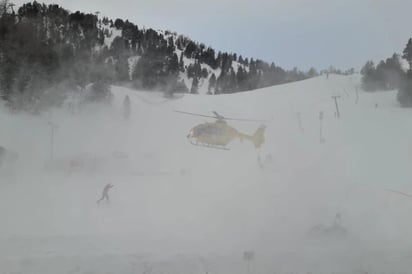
(178,208)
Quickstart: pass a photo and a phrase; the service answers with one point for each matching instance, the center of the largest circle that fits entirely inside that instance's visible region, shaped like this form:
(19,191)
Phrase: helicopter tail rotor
(259,138)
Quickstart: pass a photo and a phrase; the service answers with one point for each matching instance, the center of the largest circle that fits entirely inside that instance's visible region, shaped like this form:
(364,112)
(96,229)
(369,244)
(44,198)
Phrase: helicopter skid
(209,146)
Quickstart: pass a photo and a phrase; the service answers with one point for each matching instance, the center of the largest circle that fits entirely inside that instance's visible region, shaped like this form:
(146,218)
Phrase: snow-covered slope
(178,208)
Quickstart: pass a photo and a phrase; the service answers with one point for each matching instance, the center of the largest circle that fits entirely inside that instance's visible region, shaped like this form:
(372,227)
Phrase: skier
(105,193)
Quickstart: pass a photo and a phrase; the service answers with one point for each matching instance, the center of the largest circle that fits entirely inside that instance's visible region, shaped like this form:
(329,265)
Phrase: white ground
(178,208)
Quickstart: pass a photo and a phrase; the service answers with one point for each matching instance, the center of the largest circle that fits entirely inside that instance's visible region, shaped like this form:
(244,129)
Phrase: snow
(178,208)
(203,84)
(113,33)
(236,66)
(132,61)
(404,64)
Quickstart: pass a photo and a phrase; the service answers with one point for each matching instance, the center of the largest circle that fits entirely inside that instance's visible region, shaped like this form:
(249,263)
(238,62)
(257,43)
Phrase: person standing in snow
(126,107)
(105,193)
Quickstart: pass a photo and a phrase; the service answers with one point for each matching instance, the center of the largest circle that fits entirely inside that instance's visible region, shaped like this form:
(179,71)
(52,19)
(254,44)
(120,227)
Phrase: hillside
(313,207)
(47,51)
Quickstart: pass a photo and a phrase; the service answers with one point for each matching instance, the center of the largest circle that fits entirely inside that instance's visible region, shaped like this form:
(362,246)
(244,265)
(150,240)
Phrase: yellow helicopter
(219,134)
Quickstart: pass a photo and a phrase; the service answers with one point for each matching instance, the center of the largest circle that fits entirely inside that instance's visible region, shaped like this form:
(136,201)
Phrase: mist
(294,205)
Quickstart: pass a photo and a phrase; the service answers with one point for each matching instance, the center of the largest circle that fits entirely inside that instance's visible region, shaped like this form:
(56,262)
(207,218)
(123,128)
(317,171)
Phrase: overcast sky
(302,33)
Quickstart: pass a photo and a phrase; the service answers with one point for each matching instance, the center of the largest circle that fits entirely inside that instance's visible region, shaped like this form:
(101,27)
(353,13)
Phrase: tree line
(47,52)
(391,74)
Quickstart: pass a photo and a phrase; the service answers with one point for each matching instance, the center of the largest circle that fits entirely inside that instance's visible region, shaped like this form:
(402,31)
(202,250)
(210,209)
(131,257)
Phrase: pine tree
(174,64)
(205,74)
(191,71)
(404,95)
(312,73)
(407,53)
(181,63)
(198,70)
(212,84)
(369,76)
(191,49)
(118,23)
(241,77)
(194,88)
(394,73)
(232,85)
(367,68)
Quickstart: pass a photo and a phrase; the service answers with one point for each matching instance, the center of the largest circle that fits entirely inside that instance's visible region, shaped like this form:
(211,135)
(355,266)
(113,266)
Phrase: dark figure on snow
(126,107)
(3,152)
(105,193)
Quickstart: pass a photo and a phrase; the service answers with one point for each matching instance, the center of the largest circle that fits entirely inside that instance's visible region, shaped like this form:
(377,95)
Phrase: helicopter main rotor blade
(245,120)
(220,117)
(195,114)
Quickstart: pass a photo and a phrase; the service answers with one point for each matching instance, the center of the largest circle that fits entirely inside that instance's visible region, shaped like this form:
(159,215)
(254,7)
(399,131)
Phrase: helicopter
(219,134)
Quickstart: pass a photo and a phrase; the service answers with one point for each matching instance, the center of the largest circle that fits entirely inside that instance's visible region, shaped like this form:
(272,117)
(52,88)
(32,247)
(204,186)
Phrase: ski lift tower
(248,257)
(336,97)
(321,139)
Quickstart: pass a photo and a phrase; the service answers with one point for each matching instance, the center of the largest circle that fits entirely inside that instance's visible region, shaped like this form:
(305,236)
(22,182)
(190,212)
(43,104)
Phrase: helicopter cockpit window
(209,129)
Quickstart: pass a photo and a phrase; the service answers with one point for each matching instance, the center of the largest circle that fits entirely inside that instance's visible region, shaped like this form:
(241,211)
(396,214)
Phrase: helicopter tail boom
(258,138)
